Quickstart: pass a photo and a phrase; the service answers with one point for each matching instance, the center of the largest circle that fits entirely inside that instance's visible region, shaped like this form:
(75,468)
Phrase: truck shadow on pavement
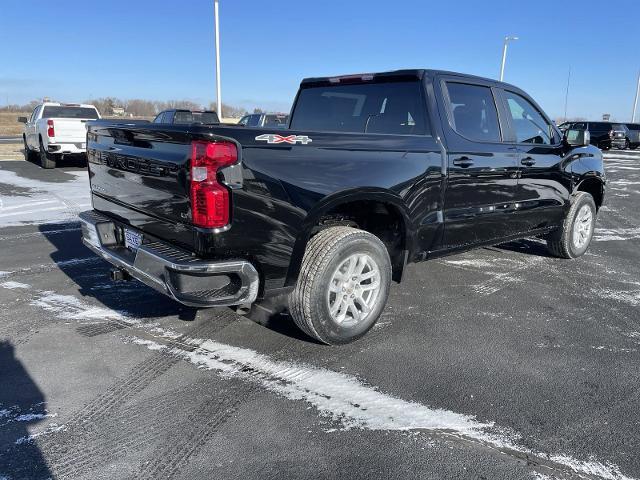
(527,246)
(91,274)
(76,161)
(135,299)
(22,405)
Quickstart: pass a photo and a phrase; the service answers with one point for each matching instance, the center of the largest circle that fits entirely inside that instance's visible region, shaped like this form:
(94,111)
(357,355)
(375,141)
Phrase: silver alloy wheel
(582,226)
(354,289)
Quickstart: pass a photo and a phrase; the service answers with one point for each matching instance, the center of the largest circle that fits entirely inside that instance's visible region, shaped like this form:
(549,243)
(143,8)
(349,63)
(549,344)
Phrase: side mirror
(577,138)
(22,119)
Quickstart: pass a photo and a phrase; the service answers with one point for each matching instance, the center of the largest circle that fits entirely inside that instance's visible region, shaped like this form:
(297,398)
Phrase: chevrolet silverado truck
(54,130)
(375,171)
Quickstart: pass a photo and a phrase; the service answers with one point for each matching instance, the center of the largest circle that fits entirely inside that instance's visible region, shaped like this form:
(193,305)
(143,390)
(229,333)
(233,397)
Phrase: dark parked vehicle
(187,117)
(633,135)
(266,120)
(604,135)
(376,171)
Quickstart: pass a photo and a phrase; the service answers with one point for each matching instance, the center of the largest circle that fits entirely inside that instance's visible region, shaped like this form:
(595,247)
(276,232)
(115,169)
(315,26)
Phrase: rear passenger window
(396,108)
(474,112)
(183,118)
(528,123)
(254,121)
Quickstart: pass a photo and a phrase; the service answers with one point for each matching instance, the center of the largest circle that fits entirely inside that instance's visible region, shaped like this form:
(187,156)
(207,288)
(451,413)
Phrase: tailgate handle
(463,162)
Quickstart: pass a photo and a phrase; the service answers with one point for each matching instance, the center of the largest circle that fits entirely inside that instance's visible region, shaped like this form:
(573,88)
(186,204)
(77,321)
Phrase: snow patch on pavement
(30,417)
(45,202)
(346,399)
(470,263)
(71,308)
(14,285)
(53,428)
(615,234)
(629,297)
(607,471)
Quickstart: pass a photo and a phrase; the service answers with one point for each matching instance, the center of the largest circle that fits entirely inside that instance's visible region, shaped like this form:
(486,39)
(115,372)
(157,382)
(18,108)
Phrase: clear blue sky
(72,50)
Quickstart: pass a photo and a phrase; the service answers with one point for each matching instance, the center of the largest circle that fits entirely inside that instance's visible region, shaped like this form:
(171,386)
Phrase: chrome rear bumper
(189,280)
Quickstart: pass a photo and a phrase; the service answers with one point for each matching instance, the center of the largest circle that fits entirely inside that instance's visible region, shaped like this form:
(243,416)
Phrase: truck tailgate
(139,175)
(70,130)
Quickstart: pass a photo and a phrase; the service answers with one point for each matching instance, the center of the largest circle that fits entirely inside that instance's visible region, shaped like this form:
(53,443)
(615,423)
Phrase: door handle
(528,162)
(463,162)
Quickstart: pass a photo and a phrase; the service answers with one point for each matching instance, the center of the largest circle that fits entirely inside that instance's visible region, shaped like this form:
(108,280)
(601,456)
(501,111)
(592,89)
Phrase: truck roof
(58,104)
(409,74)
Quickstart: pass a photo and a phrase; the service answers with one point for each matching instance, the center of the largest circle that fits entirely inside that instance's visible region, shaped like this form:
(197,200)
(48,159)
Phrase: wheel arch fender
(344,197)
(592,183)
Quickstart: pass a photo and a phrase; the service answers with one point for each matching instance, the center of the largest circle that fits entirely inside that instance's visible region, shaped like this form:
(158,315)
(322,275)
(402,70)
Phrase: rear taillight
(210,201)
(50,130)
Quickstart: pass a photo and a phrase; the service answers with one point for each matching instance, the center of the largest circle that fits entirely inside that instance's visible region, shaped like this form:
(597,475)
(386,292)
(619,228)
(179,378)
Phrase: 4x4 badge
(275,138)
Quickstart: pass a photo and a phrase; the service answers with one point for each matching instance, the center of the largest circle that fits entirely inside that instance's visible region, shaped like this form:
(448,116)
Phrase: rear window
(633,126)
(600,126)
(69,112)
(206,117)
(391,108)
(618,127)
(275,121)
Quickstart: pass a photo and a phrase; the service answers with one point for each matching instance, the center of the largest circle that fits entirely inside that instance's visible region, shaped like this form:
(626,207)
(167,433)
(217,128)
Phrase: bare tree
(229,111)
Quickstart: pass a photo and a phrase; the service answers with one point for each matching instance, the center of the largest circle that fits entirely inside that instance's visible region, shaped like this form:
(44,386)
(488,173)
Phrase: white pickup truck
(56,129)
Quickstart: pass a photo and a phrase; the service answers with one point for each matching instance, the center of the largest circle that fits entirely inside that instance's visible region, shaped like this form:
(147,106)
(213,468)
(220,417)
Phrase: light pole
(504,54)
(566,95)
(635,102)
(217,34)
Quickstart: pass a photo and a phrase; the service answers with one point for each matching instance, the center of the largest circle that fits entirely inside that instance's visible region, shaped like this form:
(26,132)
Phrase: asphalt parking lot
(501,363)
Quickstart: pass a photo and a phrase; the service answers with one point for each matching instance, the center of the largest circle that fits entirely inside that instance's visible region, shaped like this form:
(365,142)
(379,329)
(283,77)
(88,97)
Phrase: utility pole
(504,54)
(217,34)
(566,95)
(635,102)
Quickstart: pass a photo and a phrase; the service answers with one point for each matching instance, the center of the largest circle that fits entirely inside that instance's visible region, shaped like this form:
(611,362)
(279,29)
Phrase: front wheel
(574,237)
(343,285)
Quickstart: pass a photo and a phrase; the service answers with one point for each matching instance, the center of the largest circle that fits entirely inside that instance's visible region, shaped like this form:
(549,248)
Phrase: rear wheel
(343,285)
(47,160)
(574,237)
(28,153)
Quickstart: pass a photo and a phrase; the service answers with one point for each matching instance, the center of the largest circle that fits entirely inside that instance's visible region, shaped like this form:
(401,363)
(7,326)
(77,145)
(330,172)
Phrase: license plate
(132,240)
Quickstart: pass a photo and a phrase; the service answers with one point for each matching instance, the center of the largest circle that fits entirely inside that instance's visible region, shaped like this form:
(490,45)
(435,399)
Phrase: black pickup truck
(374,171)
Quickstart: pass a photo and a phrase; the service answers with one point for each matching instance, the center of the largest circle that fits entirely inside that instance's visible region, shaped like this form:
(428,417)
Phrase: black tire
(309,303)
(633,147)
(626,145)
(561,242)
(29,155)
(46,159)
